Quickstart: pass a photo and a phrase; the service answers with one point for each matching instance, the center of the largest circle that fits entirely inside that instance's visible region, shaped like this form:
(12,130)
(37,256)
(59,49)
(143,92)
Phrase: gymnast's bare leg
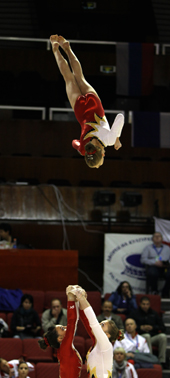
(83,85)
(72,89)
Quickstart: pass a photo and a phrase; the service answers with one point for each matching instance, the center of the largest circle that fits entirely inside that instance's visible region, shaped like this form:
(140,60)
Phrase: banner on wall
(122,261)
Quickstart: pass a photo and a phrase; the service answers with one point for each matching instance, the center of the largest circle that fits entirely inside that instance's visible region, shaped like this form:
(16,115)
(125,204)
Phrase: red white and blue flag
(134,69)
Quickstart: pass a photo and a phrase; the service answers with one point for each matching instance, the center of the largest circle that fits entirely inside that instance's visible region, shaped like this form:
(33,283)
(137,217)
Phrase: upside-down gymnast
(61,338)
(100,356)
(96,133)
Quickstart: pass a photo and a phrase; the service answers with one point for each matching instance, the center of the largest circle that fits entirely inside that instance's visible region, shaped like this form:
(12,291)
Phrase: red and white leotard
(90,114)
(100,357)
(69,359)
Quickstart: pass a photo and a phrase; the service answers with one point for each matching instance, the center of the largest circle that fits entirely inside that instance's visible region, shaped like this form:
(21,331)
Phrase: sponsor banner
(122,261)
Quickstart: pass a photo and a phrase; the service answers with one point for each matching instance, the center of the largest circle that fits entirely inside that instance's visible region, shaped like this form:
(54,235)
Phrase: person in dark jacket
(151,326)
(107,314)
(123,299)
(25,322)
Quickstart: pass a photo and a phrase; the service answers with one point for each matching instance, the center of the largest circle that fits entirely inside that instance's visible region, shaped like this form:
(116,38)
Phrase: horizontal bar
(52,110)
(9,107)
(71,40)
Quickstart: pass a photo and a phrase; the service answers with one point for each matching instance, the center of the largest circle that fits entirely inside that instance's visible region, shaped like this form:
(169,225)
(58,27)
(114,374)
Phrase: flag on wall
(134,68)
(150,129)
(163,226)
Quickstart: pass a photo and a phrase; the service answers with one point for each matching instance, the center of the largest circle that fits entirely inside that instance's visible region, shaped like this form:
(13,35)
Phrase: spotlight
(130,199)
(103,198)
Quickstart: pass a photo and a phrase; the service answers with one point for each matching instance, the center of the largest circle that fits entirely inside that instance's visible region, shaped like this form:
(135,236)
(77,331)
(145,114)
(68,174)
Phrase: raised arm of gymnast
(70,295)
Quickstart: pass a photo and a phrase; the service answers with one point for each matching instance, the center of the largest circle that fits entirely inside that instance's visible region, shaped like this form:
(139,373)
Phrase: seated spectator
(23,369)
(7,241)
(25,322)
(6,235)
(5,369)
(151,327)
(53,316)
(156,258)
(132,340)
(123,299)
(3,328)
(14,366)
(122,368)
(136,347)
(107,314)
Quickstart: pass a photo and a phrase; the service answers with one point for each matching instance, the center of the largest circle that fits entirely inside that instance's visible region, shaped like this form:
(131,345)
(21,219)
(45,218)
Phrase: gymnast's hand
(74,290)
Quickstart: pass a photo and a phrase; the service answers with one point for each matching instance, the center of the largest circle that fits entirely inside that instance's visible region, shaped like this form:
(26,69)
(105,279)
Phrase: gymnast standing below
(96,133)
(100,356)
(61,338)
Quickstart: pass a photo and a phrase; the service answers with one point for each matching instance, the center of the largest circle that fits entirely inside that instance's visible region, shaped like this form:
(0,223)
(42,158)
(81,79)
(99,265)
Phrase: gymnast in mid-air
(96,133)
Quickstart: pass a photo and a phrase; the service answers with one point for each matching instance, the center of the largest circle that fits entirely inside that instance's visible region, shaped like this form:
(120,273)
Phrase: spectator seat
(34,353)
(3,316)
(156,372)
(11,349)
(94,298)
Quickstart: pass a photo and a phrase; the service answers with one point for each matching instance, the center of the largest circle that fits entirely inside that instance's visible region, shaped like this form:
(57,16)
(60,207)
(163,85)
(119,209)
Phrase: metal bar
(43,110)
(164,48)
(52,110)
(47,41)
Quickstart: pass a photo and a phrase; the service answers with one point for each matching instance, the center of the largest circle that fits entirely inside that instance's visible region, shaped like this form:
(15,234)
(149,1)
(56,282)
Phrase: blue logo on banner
(133,267)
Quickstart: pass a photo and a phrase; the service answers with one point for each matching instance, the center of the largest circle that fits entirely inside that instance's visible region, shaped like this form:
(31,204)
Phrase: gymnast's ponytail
(49,339)
(115,333)
(42,344)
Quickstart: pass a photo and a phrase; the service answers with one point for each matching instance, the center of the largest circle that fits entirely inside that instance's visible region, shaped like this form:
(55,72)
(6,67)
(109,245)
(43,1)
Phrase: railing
(164,47)
(48,44)
(63,110)
(12,107)
(44,111)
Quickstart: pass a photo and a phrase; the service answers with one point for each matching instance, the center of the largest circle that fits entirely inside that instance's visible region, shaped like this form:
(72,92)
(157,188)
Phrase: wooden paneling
(40,269)
(49,203)
(75,170)
(51,156)
(54,138)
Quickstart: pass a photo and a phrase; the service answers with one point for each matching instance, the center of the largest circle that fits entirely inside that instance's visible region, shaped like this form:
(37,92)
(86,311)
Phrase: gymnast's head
(94,155)
(53,337)
(110,329)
